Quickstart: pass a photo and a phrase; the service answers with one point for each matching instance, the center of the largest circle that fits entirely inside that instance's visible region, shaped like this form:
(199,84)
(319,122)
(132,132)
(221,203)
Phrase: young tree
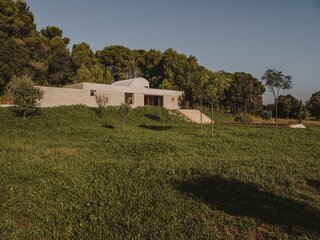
(215,87)
(302,112)
(25,95)
(102,100)
(200,82)
(276,81)
(123,112)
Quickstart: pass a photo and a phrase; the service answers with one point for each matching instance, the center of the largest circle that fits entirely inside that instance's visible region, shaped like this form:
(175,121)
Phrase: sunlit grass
(70,173)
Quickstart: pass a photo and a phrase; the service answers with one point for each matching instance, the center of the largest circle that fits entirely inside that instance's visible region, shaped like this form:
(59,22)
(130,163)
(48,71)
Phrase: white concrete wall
(54,96)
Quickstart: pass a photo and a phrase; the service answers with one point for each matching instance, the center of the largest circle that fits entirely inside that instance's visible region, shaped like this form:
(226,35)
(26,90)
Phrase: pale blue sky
(231,35)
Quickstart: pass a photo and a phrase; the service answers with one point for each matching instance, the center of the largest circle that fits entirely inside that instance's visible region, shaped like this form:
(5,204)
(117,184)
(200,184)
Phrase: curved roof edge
(134,82)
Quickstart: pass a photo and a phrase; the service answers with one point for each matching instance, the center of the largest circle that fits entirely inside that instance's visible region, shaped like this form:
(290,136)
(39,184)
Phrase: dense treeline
(44,56)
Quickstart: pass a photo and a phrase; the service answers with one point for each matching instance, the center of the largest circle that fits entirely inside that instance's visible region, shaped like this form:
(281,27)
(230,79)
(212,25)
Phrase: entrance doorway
(152,100)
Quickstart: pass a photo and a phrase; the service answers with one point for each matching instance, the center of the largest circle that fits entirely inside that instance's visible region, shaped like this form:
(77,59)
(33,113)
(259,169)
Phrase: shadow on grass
(241,199)
(107,125)
(152,117)
(155,127)
(314,183)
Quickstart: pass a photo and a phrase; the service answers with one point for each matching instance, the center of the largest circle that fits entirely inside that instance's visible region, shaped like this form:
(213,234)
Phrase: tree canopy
(313,105)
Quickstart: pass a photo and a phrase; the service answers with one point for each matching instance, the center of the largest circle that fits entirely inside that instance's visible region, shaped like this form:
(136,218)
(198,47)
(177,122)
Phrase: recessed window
(92,93)
(128,97)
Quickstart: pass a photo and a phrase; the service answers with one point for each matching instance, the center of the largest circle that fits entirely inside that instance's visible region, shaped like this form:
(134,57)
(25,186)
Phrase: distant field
(73,174)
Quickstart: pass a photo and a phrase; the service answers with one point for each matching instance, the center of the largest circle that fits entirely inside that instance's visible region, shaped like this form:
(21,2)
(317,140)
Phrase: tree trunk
(24,115)
(276,119)
(200,115)
(211,118)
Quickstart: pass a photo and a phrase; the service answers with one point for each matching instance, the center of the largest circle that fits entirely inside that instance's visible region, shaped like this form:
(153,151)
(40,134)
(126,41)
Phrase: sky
(235,36)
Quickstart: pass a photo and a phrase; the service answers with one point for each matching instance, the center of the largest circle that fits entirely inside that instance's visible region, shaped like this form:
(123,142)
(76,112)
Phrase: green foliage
(108,78)
(82,55)
(302,112)
(60,66)
(149,64)
(288,106)
(314,105)
(186,104)
(166,85)
(276,81)
(25,95)
(244,94)
(83,74)
(69,174)
(123,111)
(266,114)
(51,32)
(97,73)
(16,20)
(120,59)
(244,118)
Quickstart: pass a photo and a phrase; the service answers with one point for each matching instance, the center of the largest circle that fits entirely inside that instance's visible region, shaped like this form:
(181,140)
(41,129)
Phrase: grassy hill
(70,173)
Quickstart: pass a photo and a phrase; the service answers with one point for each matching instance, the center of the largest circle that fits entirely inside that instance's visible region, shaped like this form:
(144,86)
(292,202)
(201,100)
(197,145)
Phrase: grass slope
(72,174)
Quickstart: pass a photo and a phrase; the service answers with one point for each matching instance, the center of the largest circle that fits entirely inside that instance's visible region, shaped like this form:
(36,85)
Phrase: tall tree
(51,32)
(148,62)
(18,36)
(276,81)
(288,106)
(314,105)
(82,55)
(244,93)
(119,59)
(83,74)
(60,71)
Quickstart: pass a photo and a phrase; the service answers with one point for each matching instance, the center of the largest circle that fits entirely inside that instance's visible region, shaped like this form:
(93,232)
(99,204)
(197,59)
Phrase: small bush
(6,99)
(186,105)
(244,118)
(266,115)
(25,95)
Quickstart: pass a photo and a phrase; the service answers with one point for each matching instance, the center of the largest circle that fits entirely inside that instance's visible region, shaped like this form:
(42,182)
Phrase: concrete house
(135,92)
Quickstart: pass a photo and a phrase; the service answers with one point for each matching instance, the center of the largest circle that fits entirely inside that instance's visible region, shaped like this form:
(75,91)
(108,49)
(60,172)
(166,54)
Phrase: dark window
(128,97)
(153,100)
(92,93)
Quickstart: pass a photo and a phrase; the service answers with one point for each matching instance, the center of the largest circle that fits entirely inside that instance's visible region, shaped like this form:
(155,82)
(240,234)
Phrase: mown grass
(71,174)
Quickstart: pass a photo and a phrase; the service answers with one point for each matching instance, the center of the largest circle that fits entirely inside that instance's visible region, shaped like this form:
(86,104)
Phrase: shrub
(25,96)
(6,98)
(266,115)
(244,118)
(186,105)
(102,100)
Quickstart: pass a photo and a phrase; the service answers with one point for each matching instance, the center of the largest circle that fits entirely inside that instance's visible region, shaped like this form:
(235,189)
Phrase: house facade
(135,92)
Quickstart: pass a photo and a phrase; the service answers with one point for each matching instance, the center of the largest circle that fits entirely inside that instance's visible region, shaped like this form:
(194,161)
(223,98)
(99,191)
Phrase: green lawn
(72,174)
